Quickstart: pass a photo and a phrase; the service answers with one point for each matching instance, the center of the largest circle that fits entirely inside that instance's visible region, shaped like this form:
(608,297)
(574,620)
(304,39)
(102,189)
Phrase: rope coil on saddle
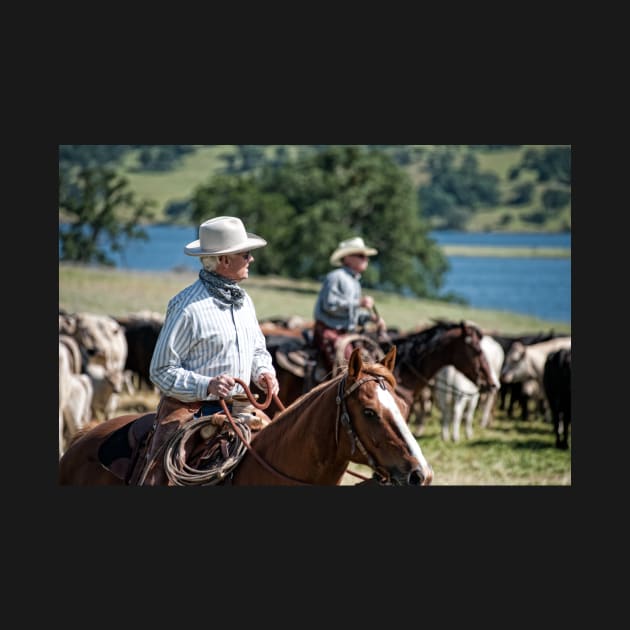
(215,460)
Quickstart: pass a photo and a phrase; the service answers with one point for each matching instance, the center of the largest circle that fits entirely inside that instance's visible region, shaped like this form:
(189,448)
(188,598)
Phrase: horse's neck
(300,444)
(422,363)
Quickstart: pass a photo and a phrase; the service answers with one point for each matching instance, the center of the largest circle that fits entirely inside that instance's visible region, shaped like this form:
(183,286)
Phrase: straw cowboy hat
(223,235)
(351,246)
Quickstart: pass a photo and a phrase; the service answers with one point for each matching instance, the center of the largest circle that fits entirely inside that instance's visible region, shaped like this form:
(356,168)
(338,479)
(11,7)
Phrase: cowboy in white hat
(210,334)
(339,305)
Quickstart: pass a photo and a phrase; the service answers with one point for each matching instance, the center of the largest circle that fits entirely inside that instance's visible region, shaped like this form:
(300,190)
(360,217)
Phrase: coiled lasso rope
(219,458)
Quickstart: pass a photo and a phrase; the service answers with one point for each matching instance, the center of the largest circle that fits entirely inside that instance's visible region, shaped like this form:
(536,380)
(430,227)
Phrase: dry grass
(116,292)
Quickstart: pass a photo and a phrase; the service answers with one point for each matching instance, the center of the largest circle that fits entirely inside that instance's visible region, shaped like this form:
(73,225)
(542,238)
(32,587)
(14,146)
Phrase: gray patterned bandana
(225,292)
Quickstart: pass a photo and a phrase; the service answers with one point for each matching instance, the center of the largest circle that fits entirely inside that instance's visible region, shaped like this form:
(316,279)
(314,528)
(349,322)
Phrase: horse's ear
(466,331)
(355,364)
(389,360)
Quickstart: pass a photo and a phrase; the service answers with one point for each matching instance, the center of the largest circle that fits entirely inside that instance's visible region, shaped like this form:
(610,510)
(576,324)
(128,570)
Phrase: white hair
(209,263)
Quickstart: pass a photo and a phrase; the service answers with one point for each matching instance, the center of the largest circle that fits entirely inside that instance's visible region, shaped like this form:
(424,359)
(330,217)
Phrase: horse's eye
(370,413)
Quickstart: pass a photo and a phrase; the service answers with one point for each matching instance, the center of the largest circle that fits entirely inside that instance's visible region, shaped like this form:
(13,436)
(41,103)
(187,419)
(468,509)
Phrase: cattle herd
(100,355)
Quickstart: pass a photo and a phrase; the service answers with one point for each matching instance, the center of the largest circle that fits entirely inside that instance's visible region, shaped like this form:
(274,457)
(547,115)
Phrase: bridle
(343,417)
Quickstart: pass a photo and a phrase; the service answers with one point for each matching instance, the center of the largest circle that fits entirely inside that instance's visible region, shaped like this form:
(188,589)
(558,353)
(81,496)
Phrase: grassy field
(510,452)
(507,252)
(115,292)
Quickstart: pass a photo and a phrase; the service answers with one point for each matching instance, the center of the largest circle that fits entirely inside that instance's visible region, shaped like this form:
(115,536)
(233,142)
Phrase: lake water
(540,287)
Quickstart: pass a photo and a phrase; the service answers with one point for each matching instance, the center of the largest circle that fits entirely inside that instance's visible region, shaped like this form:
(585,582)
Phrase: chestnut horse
(356,416)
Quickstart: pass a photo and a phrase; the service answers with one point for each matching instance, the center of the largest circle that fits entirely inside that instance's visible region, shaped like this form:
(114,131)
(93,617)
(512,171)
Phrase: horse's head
(470,359)
(374,418)
(515,366)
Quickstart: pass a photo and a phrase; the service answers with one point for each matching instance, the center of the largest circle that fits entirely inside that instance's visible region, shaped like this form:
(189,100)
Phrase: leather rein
(342,416)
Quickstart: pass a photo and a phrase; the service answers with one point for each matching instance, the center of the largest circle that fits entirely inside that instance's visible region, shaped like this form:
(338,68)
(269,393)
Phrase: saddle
(120,452)
(124,452)
(371,350)
(306,364)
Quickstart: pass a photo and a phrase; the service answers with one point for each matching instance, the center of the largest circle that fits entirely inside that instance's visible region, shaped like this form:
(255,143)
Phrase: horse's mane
(422,341)
(81,432)
(449,323)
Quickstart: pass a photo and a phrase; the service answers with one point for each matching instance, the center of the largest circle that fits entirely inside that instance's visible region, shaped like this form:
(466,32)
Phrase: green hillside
(530,214)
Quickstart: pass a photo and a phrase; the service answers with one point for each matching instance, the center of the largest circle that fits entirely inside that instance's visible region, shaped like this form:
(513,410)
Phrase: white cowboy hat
(351,246)
(223,235)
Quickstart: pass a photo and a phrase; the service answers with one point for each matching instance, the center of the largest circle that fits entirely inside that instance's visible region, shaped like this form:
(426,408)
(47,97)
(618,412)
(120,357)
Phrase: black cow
(141,337)
(557,384)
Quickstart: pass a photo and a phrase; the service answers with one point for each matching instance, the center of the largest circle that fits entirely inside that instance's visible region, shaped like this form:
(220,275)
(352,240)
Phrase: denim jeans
(210,407)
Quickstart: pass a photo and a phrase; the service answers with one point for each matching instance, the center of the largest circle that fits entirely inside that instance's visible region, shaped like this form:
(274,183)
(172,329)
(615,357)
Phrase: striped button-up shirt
(200,340)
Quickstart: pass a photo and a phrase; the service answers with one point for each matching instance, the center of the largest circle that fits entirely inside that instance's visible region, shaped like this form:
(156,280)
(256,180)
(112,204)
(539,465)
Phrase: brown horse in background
(356,416)
(293,378)
(419,356)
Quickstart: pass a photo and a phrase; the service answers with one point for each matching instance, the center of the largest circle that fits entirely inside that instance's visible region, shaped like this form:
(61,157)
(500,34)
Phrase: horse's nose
(488,387)
(419,477)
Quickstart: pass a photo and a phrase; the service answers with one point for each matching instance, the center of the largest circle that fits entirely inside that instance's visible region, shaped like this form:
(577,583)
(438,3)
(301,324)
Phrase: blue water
(540,287)
(163,251)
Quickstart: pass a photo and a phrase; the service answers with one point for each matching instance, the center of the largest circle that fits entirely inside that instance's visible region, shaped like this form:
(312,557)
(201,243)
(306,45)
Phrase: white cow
(457,397)
(102,340)
(107,390)
(75,393)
